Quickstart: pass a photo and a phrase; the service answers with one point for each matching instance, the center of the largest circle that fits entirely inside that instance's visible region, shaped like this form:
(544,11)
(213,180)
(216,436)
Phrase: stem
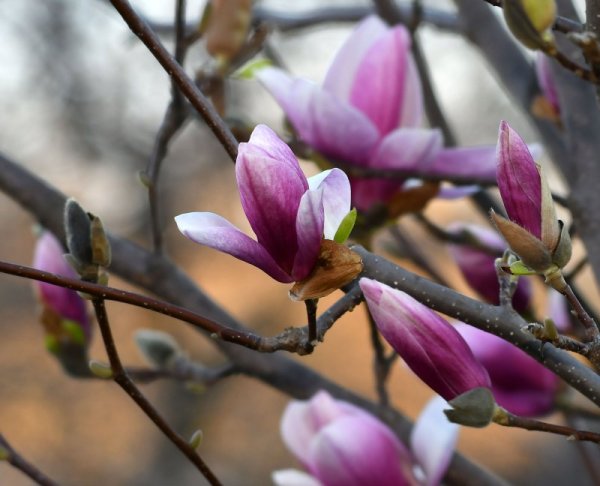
(381,365)
(311,313)
(507,419)
(592,332)
(121,378)
(20,463)
(142,30)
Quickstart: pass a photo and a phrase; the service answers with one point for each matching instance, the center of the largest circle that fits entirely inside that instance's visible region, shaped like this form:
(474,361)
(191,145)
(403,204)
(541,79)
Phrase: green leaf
(345,228)
(519,268)
(249,70)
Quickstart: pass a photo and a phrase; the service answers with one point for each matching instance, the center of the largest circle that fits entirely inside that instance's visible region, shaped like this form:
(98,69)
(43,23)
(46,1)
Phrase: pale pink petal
(457,192)
(216,232)
(302,420)
(379,82)
(358,450)
(340,76)
(293,477)
(476,163)
(411,109)
(336,198)
(558,311)
(309,228)
(407,148)
(433,439)
(322,120)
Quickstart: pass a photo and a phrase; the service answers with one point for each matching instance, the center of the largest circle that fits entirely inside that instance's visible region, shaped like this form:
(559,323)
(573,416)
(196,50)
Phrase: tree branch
(16,460)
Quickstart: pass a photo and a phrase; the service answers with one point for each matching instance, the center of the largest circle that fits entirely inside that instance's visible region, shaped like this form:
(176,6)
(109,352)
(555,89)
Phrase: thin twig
(10,455)
(381,364)
(311,314)
(121,378)
(174,118)
(141,29)
(592,331)
(507,419)
(294,339)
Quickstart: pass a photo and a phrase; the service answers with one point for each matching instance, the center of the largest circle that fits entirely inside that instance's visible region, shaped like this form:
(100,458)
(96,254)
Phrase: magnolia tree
(499,359)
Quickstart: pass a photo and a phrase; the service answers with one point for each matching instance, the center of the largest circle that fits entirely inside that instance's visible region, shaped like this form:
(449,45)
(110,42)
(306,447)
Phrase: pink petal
(519,383)
(48,256)
(340,76)
(309,228)
(216,232)
(478,163)
(519,181)
(336,198)
(379,83)
(270,191)
(558,311)
(433,439)
(358,450)
(408,148)
(368,192)
(411,109)
(293,477)
(302,421)
(323,121)
(430,346)
(478,266)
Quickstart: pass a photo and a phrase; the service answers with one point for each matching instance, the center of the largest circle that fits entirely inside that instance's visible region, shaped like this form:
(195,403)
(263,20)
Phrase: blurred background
(81,100)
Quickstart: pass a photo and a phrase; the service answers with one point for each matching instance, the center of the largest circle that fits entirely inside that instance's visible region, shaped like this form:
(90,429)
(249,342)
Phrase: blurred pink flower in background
(368,114)
(341,444)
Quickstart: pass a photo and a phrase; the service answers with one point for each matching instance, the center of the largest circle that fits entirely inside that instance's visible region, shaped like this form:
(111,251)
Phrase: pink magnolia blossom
(289,213)
(368,113)
(341,444)
(478,265)
(519,383)
(429,345)
(62,306)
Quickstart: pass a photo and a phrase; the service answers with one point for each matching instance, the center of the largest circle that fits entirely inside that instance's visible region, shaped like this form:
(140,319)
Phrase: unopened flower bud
(336,266)
(101,370)
(474,408)
(157,347)
(530,20)
(196,439)
(533,231)
(227,28)
(89,249)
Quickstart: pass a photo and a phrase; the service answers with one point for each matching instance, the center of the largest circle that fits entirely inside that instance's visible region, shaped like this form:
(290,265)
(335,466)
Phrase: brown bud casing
(227,28)
(336,266)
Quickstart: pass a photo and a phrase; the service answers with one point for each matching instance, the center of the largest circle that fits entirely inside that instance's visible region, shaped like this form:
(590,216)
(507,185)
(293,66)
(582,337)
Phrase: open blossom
(64,312)
(533,231)
(368,114)
(519,383)
(429,345)
(289,213)
(341,444)
(477,264)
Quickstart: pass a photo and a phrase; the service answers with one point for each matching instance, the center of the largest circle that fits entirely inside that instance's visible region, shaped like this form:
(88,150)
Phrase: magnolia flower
(64,313)
(341,444)
(519,383)
(368,114)
(289,214)
(429,345)
(533,231)
(477,264)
